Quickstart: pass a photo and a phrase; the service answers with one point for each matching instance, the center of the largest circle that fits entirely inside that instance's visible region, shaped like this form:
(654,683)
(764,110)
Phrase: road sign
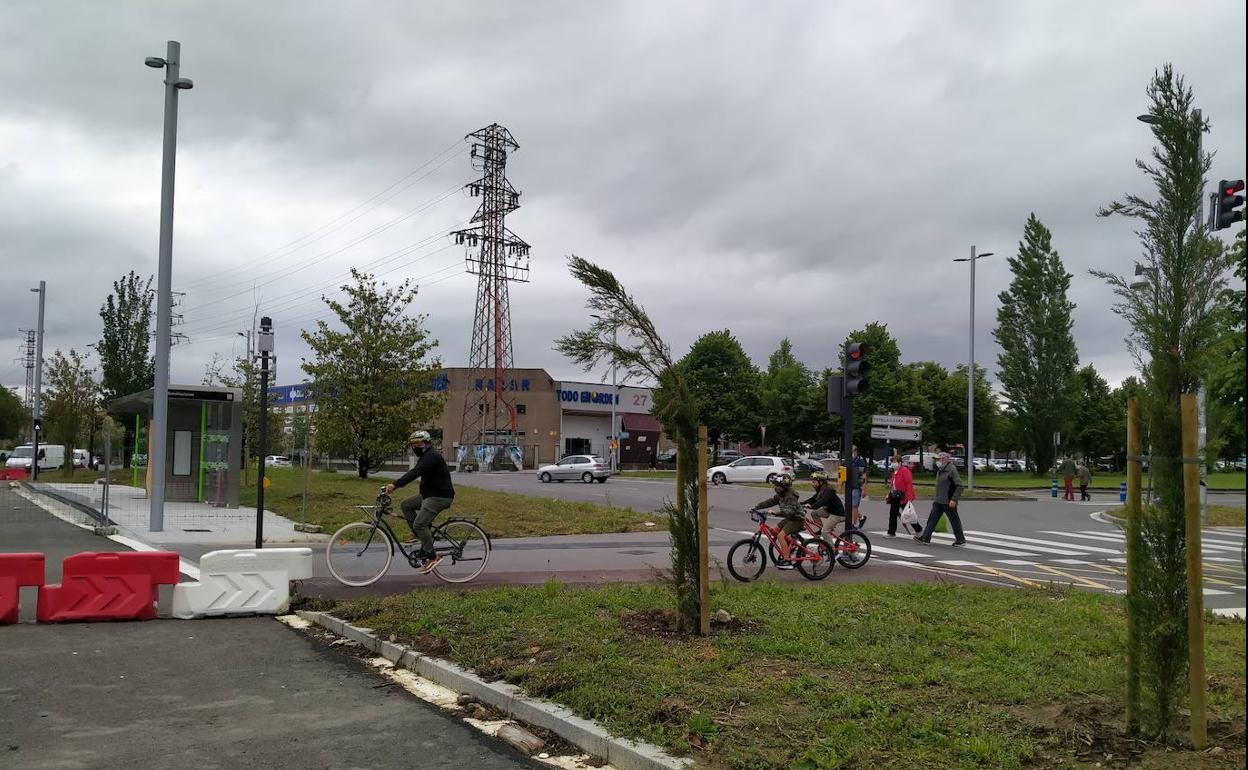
(896,434)
(896,420)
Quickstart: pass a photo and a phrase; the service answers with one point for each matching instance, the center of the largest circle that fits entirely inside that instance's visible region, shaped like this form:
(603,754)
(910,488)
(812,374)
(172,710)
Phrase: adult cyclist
(436,495)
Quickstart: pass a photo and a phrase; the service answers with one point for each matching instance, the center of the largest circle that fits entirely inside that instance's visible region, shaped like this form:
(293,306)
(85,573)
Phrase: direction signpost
(896,434)
(896,421)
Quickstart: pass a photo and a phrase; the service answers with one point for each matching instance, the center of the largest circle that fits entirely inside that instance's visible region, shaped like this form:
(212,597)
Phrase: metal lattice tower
(27,360)
(497,256)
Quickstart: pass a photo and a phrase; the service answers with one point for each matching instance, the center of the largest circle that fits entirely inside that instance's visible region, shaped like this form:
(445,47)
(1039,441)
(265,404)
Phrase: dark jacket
(826,500)
(788,504)
(434,475)
(948,484)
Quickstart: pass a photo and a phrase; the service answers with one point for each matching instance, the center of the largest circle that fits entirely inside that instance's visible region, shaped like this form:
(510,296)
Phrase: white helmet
(420,435)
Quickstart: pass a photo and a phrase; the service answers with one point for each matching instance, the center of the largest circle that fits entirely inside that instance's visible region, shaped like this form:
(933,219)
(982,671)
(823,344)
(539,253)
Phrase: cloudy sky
(783,168)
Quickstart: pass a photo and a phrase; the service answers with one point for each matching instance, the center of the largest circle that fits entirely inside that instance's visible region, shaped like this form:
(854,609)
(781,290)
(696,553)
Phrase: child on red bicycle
(825,505)
(790,508)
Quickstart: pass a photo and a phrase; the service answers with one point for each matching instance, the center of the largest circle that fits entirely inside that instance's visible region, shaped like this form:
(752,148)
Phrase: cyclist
(787,501)
(436,495)
(825,505)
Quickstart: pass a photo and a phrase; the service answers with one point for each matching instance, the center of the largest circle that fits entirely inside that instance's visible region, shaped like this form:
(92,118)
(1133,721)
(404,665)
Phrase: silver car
(587,468)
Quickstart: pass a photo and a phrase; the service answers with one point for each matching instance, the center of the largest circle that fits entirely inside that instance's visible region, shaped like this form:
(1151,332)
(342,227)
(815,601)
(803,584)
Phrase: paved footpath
(203,694)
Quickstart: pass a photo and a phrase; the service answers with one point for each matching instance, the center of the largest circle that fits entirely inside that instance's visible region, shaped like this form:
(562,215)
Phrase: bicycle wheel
(817,570)
(465,549)
(746,560)
(359,554)
(853,550)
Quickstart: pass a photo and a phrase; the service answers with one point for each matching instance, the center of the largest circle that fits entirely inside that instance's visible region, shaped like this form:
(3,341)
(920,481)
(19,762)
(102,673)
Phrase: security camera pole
(35,408)
(159,435)
(264,343)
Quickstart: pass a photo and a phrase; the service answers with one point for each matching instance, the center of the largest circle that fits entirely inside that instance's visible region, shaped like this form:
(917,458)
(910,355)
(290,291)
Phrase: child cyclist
(825,505)
(790,508)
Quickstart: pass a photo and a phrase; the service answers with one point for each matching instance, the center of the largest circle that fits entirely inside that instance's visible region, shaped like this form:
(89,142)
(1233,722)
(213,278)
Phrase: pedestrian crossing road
(1092,559)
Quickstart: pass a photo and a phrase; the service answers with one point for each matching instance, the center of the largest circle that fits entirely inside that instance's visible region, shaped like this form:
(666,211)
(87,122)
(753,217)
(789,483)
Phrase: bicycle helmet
(819,476)
(782,480)
(420,435)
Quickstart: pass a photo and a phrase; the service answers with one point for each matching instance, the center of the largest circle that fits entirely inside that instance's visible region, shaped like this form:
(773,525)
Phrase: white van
(51,457)
(929,461)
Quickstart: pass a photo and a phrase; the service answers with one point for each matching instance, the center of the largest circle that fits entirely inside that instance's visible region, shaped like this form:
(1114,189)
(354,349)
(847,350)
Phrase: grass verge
(503,514)
(917,675)
(1219,515)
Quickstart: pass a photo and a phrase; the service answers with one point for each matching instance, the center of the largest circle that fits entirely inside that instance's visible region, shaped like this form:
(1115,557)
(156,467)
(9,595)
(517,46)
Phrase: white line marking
(1071,561)
(1118,538)
(1215,592)
(955,563)
(1119,560)
(1016,562)
(1219,558)
(973,547)
(899,552)
(1043,546)
(1073,549)
(1231,612)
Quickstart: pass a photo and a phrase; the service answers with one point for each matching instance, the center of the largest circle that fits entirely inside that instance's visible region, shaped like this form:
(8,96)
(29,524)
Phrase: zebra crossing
(1093,559)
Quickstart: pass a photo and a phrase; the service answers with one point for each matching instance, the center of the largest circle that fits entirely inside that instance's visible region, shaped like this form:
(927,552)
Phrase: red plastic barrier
(17,570)
(12,474)
(108,586)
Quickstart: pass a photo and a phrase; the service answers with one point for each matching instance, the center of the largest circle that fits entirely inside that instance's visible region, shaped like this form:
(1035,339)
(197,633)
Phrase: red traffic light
(857,350)
(1230,188)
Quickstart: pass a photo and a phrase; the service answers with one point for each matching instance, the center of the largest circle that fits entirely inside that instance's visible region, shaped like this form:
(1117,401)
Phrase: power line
(316,234)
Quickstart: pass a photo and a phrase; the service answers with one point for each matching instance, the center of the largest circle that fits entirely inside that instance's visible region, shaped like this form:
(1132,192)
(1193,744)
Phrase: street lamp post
(36,413)
(613,435)
(160,406)
(970,376)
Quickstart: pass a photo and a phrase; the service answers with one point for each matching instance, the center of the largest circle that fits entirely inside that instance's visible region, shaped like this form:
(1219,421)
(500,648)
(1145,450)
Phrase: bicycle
(747,559)
(853,548)
(359,553)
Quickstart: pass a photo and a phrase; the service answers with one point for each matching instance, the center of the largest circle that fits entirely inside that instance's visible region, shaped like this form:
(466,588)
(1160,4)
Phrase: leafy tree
(641,352)
(126,362)
(373,380)
(986,409)
(1098,428)
(1038,357)
(725,383)
(72,400)
(1174,335)
(245,376)
(14,417)
(944,422)
(785,398)
(1226,380)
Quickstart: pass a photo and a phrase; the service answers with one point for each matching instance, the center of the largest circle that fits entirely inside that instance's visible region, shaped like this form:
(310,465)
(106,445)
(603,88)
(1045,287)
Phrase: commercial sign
(896,434)
(896,420)
(596,397)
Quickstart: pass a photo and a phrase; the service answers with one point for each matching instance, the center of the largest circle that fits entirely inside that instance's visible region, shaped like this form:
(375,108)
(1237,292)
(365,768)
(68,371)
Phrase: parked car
(729,455)
(666,459)
(805,467)
(999,464)
(980,463)
(587,468)
(761,468)
(277,461)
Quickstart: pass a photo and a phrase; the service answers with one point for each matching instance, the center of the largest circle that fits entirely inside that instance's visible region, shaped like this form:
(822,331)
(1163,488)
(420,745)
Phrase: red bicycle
(814,557)
(852,549)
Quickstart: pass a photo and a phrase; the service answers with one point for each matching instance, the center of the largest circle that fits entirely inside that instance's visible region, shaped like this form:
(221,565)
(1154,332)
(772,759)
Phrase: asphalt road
(210,694)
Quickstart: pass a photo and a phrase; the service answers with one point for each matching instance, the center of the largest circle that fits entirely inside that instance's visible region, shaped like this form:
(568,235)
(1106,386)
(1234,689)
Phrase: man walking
(1085,478)
(1067,471)
(436,495)
(859,467)
(948,490)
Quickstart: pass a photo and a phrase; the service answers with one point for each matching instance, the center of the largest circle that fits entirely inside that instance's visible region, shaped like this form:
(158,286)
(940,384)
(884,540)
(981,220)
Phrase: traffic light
(856,368)
(1228,200)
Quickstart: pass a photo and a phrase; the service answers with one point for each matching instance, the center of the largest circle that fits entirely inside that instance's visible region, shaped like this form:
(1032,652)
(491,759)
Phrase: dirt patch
(1092,732)
(663,624)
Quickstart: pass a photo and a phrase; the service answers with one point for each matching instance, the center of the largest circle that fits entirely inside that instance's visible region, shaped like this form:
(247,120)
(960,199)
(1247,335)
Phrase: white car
(762,468)
(277,461)
(587,468)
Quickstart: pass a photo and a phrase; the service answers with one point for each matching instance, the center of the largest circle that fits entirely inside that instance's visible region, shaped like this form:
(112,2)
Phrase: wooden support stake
(704,582)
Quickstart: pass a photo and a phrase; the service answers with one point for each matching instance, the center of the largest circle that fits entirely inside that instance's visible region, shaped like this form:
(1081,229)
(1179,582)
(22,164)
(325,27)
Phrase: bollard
(1122,491)
(1053,491)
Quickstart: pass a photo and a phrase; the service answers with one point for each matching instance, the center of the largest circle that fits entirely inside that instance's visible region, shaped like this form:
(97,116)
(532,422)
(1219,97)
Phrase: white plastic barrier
(244,582)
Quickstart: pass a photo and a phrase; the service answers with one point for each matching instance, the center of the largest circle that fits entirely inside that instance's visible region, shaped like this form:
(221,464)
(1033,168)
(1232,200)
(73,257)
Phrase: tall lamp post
(613,440)
(160,406)
(970,376)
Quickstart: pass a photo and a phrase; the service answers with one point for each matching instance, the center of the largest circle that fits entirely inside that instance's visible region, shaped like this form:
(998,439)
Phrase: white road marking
(1215,592)
(1071,561)
(1231,612)
(973,547)
(1016,562)
(1119,538)
(955,563)
(1077,548)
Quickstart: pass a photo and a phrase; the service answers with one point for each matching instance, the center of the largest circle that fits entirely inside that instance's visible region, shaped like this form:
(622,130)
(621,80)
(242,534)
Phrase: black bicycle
(359,553)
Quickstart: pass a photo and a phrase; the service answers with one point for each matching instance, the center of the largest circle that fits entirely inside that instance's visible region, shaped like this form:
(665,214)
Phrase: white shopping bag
(909,515)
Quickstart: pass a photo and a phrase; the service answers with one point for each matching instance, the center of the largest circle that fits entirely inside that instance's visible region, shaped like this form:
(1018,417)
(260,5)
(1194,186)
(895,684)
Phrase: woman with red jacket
(901,491)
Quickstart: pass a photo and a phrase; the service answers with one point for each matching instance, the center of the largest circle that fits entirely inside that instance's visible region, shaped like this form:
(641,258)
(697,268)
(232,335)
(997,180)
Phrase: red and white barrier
(108,586)
(243,582)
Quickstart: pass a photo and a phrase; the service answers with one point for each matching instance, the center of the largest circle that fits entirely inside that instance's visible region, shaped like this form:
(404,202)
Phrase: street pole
(307,465)
(970,377)
(160,397)
(1195,580)
(35,411)
(613,447)
(265,344)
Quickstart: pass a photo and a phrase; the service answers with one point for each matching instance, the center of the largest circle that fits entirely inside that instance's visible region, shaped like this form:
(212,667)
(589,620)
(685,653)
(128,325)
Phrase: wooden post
(704,581)
(1195,581)
(1133,555)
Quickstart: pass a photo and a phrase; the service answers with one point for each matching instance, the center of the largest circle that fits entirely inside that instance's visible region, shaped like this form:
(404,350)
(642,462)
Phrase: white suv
(762,468)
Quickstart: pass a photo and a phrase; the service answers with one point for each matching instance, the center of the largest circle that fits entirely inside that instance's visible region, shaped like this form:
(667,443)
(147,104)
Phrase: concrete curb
(587,735)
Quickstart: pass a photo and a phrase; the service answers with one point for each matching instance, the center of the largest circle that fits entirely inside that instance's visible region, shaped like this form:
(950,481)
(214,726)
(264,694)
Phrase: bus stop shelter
(204,442)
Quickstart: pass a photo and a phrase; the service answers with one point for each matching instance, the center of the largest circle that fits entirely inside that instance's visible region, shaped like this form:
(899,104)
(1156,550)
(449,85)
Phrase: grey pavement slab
(208,694)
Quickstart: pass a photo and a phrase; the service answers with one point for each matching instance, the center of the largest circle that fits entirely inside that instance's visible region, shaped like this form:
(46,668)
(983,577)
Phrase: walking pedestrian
(1067,471)
(901,492)
(1085,478)
(859,467)
(948,490)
